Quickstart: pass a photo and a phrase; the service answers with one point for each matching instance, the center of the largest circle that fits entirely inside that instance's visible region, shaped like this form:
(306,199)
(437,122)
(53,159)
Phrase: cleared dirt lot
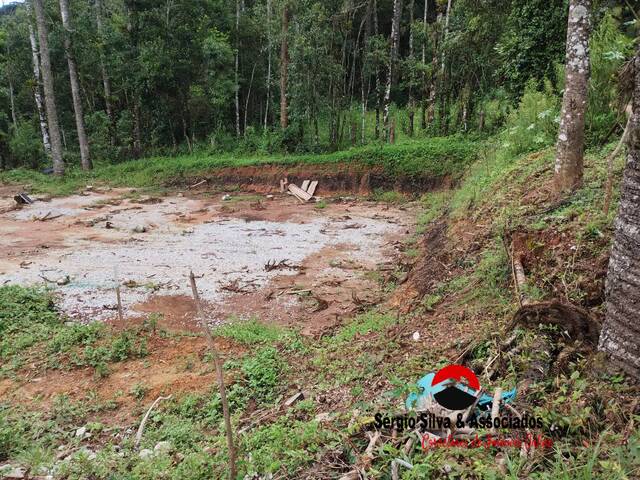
(254,255)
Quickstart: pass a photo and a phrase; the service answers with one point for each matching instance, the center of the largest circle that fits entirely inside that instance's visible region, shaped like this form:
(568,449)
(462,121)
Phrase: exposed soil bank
(335,177)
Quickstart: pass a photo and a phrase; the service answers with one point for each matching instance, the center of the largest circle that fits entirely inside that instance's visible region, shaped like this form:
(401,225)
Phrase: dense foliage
(204,75)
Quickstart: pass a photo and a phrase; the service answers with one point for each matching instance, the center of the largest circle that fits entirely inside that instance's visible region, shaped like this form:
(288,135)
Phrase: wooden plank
(298,192)
(305,185)
(312,188)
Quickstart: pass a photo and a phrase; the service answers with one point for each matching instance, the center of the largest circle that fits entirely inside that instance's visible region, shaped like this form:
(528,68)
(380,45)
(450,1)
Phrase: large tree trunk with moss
(620,336)
(49,93)
(85,157)
(570,145)
(395,44)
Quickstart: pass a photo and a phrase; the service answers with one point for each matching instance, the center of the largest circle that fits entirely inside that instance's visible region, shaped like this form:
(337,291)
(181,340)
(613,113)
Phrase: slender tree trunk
(446,31)
(412,102)
(284,68)
(435,74)
(246,103)
(106,80)
(620,336)
(570,145)
(49,93)
(37,94)
(237,65)
(365,75)
(14,116)
(378,89)
(85,157)
(395,41)
(266,108)
(137,129)
(424,62)
(352,80)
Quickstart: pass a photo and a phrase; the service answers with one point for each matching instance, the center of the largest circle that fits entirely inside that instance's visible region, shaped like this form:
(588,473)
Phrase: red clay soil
(174,366)
(350,178)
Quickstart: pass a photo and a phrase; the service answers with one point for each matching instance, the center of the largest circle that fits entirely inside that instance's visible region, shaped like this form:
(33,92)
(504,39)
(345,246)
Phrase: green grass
(360,368)
(438,156)
(31,328)
(250,332)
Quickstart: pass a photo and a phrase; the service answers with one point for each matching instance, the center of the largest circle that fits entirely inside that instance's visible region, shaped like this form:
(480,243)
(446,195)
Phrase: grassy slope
(434,156)
(366,365)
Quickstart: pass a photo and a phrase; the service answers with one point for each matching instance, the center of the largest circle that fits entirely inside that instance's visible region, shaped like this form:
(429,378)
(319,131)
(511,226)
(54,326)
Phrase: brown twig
(120,315)
(218,366)
(495,408)
(146,417)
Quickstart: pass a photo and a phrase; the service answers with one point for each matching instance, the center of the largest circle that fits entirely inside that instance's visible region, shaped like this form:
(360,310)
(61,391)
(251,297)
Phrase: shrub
(25,145)
(262,373)
(21,308)
(534,124)
(609,48)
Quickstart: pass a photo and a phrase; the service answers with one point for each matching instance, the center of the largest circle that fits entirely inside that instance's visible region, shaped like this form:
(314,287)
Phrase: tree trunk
(237,65)
(284,67)
(570,145)
(246,103)
(378,89)
(266,108)
(85,157)
(620,336)
(365,76)
(14,116)
(395,41)
(433,88)
(137,129)
(424,62)
(412,102)
(106,80)
(49,93)
(446,31)
(37,94)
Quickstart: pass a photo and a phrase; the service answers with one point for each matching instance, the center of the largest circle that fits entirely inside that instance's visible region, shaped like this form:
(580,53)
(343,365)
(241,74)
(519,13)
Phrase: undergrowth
(367,364)
(436,157)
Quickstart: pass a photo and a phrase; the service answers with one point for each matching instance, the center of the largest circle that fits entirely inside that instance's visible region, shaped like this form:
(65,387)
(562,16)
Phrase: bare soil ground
(332,261)
(255,255)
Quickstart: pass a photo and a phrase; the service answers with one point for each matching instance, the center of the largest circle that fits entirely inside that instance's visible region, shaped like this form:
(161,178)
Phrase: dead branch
(281,265)
(47,217)
(495,408)
(120,315)
(520,280)
(235,287)
(364,462)
(146,417)
(220,376)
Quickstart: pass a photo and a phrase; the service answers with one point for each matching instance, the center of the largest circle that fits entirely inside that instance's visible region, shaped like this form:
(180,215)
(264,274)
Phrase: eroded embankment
(334,177)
